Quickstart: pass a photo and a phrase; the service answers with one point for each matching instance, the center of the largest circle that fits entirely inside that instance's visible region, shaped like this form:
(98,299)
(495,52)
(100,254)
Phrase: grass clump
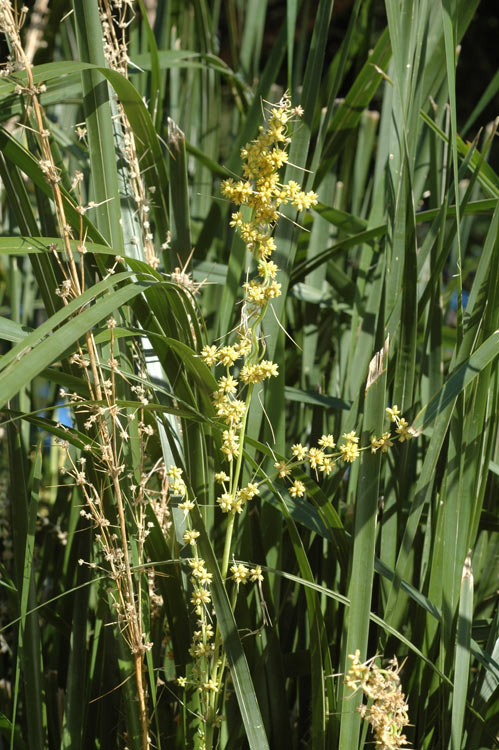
(248,291)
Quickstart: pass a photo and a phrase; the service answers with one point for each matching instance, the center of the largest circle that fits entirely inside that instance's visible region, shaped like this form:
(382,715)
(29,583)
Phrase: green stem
(227,546)
(218,669)
(233,488)
(235,478)
(218,659)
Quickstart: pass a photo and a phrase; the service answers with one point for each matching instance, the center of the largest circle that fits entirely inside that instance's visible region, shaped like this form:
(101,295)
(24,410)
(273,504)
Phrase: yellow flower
(237,219)
(273,290)
(327,466)
(230,444)
(403,430)
(231,411)
(225,502)
(256,574)
(240,573)
(186,506)
(267,268)
(349,451)
(198,650)
(384,442)
(248,492)
(283,469)
(205,578)
(209,355)
(200,596)
(350,437)
(266,247)
(228,355)
(255,292)
(211,686)
(244,346)
(393,412)
(227,384)
(190,536)
(327,441)
(299,451)
(304,200)
(297,489)
(259,372)
(198,568)
(315,457)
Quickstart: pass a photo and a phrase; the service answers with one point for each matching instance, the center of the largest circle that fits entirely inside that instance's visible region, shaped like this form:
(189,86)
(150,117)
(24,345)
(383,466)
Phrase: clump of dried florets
(387,708)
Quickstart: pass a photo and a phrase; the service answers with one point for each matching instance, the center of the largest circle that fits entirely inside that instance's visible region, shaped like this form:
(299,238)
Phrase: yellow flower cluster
(318,458)
(297,489)
(387,709)
(235,503)
(200,597)
(259,372)
(204,672)
(230,444)
(263,193)
(259,294)
(226,355)
(176,484)
(348,450)
(232,409)
(242,574)
(203,645)
(402,430)
(199,572)
(227,406)
(384,442)
(186,506)
(190,536)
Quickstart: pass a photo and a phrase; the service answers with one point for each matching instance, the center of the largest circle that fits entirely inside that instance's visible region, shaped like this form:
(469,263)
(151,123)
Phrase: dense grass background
(398,554)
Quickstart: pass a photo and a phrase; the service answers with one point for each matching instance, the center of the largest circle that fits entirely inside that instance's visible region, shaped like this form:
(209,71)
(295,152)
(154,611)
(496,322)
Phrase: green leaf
(22,371)
(457,382)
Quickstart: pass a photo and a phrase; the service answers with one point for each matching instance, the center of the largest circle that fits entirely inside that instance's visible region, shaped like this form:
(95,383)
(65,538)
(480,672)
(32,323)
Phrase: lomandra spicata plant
(244,365)
(261,193)
(386,710)
(248,378)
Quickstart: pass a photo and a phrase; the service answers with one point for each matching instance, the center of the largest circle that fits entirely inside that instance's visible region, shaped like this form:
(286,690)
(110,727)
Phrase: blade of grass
(75,710)
(103,174)
(25,505)
(362,571)
(457,382)
(179,197)
(33,362)
(462,658)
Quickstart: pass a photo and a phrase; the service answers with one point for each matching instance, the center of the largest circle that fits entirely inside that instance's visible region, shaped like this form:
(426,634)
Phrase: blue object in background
(453,300)
(63,415)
